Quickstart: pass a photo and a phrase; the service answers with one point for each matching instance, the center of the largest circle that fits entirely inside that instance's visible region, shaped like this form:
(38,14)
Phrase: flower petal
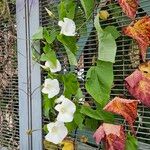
(57,132)
(129,7)
(51,87)
(126,108)
(68,27)
(65,117)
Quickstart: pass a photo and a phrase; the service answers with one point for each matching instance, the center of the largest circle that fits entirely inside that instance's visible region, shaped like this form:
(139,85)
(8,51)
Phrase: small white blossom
(50,65)
(66,109)
(68,27)
(51,87)
(57,132)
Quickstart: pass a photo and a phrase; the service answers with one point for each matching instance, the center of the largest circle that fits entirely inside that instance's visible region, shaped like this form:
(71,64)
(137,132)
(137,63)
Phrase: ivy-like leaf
(71,57)
(131,142)
(88,6)
(99,81)
(66,8)
(71,85)
(78,119)
(47,105)
(97,114)
(69,42)
(129,7)
(50,36)
(113,31)
(107,46)
(38,35)
(48,55)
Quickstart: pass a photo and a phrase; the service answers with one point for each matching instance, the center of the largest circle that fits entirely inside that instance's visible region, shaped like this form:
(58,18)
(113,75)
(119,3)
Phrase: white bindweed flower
(68,27)
(66,109)
(51,87)
(57,132)
(51,66)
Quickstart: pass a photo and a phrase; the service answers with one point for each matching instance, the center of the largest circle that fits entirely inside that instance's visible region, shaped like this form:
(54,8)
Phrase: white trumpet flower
(66,109)
(57,132)
(68,27)
(52,67)
(51,87)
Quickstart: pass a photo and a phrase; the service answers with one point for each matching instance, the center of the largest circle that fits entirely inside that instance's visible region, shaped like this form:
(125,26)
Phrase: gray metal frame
(29,74)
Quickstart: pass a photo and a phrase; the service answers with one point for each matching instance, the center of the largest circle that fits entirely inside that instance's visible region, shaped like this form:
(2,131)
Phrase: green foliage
(50,36)
(71,126)
(99,81)
(113,31)
(48,55)
(131,142)
(48,104)
(38,35)
(71,57)
(88,6)
(71,85)
(97,114)
(107,45)
(69,42)
(78,119)
(91,124)
(66,8)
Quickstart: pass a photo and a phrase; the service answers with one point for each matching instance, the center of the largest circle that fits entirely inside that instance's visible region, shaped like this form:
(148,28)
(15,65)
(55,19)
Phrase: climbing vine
(63,99)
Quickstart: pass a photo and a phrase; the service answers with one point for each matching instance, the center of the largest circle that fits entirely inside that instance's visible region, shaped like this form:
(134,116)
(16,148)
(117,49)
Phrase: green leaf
(107,45)
(88,6)
(113,31)
(78,119)
(71,57)
(79,94)
(71,126)
(50,36)
(66,8)
(131,142)
(97,114)
(47,105)
(91,124)
(99,81)
(69,42)
(71,85)
(38,35)
(48,55)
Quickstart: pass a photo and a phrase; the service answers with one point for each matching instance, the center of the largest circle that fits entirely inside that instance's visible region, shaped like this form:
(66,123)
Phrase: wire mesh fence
(127,59)
(9,119)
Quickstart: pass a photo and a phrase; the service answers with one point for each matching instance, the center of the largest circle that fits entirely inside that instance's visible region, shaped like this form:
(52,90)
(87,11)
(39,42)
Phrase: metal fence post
(29,75)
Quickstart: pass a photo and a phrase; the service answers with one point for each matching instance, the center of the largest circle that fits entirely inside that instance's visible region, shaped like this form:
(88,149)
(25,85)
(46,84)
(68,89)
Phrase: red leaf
(138,83)
(124,107)
(140,31)
(113,136)
(129,7)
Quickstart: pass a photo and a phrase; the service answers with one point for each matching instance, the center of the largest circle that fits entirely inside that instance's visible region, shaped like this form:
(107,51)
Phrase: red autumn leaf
(124,107)
(140,31)
(138,83)
(112,135)
(129,7)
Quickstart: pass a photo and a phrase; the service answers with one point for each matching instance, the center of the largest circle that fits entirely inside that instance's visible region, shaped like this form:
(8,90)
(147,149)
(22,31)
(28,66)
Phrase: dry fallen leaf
(138,83)
(124,107)
(112,135)
(129,7)
(140,31)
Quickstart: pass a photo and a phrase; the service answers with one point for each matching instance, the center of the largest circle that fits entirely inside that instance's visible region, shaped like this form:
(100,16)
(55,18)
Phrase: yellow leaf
(49,12)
